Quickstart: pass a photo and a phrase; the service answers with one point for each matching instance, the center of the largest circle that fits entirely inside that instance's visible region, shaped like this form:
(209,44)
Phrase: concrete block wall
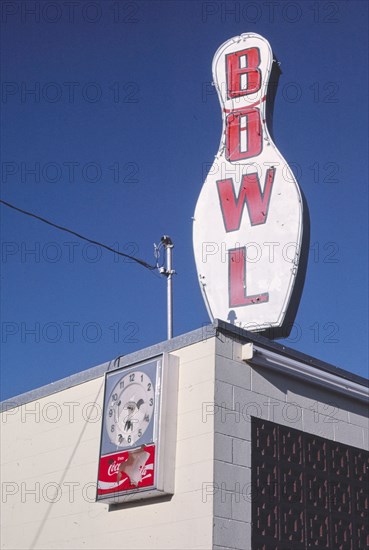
(50,449)
(243,391)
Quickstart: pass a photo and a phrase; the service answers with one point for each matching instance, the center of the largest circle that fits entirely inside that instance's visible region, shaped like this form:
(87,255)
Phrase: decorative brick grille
(307,491)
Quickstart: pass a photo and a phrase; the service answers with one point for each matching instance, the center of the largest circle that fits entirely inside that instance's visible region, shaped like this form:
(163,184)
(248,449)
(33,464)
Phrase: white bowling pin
(248,221)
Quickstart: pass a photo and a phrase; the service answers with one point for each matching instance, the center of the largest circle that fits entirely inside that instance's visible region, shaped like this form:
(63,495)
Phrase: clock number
(132,377)
(149,386)
(139,433)
(121,384)
(110,412)
(129,439)
(114,396)
(120,438)
(142,377)
(151,401)
(112,428)
(146,418)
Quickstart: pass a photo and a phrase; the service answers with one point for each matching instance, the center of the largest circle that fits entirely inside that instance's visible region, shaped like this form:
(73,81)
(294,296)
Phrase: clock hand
(128,425)
(131,405)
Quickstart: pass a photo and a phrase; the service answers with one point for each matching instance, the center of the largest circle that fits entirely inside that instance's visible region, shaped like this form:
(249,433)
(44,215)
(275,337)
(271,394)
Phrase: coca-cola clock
(138,434)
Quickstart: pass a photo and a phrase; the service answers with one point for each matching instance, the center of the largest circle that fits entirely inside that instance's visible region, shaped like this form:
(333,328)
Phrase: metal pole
(170,291)
(167,242)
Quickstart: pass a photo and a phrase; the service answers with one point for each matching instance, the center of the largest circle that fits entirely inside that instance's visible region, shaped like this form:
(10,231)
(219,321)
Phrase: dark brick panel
(307,491)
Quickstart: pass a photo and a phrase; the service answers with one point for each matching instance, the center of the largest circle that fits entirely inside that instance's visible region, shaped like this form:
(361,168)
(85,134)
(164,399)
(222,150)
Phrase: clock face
(130,408)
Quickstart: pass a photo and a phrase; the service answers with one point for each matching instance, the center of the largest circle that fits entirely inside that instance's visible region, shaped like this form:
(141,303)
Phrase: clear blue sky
(120,131)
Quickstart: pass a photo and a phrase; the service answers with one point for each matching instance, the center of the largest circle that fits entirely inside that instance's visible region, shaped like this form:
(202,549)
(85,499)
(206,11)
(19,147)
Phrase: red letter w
(250,193)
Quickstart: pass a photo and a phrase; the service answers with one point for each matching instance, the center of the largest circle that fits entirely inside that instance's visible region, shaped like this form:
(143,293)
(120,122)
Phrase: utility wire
(141,262)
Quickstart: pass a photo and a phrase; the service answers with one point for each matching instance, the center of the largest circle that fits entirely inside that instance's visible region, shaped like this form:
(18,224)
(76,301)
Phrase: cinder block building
(271,451)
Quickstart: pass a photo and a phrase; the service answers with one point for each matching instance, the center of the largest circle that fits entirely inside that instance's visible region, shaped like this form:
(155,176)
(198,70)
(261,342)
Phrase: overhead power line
(66,230)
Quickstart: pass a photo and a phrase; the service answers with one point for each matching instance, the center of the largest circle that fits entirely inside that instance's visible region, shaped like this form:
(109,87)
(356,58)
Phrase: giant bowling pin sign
(248,222)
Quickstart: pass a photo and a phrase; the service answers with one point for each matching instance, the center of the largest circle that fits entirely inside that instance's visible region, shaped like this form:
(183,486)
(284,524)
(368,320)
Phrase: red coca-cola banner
(127,470)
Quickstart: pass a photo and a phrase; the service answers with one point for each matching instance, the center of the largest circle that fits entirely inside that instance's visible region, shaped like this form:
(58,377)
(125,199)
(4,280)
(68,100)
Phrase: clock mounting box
(138,431)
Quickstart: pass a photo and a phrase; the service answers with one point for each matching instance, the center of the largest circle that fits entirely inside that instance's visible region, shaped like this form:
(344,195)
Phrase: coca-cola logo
(113,468)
